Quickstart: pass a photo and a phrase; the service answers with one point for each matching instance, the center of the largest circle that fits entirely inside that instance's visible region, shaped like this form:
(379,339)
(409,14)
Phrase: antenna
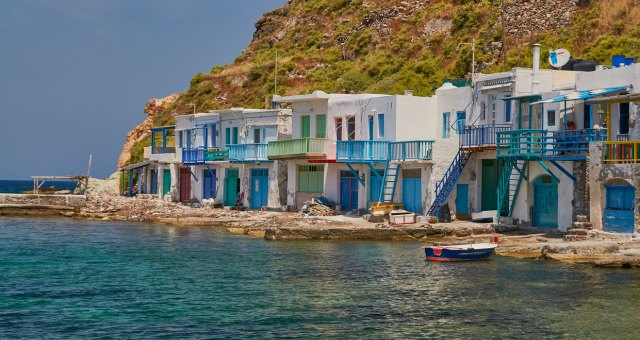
(559,57)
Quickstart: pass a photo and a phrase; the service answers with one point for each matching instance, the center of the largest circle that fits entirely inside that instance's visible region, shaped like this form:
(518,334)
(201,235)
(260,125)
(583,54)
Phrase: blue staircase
(390,181)
(509,185)
(448,181)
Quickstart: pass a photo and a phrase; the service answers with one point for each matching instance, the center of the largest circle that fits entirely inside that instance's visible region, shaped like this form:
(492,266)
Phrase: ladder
(448,181)
(390,181)
(509,185)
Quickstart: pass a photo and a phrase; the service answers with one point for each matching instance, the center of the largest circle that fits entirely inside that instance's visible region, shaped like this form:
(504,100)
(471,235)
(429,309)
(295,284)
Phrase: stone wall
(580,192)
(74,201)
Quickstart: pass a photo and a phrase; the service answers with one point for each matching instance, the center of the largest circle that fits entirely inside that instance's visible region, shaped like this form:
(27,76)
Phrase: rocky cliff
(388,46)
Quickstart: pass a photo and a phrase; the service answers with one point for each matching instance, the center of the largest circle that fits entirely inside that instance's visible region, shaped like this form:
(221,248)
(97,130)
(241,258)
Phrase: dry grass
(625,12)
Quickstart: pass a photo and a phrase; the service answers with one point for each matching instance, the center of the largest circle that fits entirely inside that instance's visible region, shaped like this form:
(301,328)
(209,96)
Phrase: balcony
(622,152)
(248,153)
(415,150)
(163,140)
(298,148)
(481,137)
(362,151)
(201,155)
(542,144)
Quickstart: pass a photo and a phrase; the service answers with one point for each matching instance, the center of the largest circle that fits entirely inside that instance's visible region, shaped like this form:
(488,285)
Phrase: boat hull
(459,253)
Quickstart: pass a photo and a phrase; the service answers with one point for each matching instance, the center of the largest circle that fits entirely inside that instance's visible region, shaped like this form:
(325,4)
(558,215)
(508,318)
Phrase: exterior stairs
(509,185)
(390,181)
(448,181)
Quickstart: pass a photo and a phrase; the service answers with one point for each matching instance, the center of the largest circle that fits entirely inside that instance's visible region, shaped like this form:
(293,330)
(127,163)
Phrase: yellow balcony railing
(293,148)
(622,152)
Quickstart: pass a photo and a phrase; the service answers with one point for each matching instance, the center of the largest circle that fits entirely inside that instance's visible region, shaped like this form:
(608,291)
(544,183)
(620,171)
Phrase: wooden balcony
(201,155)
(482,137)
(541,144)
(414,150)
(312,148)
(621,152)
(248,153)
(362,151)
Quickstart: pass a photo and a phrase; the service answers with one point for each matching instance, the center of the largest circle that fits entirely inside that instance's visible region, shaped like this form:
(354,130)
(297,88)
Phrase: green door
(545,202)
(166,181)
(231,186)
(305,126)
(489,189)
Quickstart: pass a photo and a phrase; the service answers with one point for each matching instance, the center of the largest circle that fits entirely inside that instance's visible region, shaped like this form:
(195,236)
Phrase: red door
(185,184)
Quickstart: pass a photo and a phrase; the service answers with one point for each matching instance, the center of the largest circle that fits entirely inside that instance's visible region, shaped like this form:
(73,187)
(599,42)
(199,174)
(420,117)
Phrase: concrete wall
(599,175)
(415,118)
(56,200)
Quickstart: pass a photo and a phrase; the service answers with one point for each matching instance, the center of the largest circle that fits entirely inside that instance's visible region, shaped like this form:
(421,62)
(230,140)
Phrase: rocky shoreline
(602,249)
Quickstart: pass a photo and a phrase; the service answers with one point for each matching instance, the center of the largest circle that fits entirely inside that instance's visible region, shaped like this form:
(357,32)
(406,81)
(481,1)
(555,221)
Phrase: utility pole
(275,76)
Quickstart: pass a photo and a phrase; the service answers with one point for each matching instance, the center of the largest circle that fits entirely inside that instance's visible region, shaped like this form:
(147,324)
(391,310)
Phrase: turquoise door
(166,181)
(618,213)
(462,199)
(545,202)
(376,186)
(412,190)
(348,191)
(231,187)
(259,188)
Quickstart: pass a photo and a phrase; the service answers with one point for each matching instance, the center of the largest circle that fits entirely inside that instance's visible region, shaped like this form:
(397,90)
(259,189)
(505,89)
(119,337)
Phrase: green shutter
(227,136)
(305,126)
(235,136)
(321,126)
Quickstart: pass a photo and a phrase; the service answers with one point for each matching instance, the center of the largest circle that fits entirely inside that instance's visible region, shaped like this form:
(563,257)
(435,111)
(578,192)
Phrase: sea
(62,278)
(20,186)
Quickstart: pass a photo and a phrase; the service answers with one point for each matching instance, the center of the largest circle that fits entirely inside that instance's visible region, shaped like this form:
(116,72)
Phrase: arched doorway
(545,202)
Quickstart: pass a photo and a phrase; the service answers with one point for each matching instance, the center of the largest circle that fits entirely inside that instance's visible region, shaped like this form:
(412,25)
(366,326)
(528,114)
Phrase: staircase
(448,181)
(509,185)
(390,180)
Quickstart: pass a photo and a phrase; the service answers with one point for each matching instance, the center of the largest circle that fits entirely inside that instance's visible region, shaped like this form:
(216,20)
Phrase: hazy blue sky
(75,74)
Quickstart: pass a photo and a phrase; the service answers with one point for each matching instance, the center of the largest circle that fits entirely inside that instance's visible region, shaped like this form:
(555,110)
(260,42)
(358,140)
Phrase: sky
(75,74)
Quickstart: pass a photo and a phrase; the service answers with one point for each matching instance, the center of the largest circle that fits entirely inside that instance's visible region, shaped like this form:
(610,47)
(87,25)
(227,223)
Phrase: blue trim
(545,167)
(564,171)
(375,172)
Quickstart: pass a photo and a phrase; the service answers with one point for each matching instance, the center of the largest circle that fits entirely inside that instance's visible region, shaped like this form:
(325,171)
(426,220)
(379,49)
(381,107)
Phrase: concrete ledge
(17,200)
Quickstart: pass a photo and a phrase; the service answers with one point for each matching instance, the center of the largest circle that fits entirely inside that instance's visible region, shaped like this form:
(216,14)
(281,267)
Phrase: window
(321,126)
(493,112)
(551,117)
(234,135)
(305,126)
(483,110)
(338,128)
(507,109)
(212,136)
(227,136)
(351,128)
(311,178)
(256,135)
(188,138)
(381,125)
(624,118)
(370,119)
(587,116)
(461,119)
(445,124)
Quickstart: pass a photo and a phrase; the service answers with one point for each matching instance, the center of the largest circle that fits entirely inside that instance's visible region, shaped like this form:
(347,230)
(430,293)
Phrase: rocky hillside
(388,46)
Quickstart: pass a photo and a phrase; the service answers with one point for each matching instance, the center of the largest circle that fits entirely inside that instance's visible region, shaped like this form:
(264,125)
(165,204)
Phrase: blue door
(348,191)
(618,213)
(376,186)
(209,184)
(412,190)
(462,199)
(154,182)
(259,188)
(545,202)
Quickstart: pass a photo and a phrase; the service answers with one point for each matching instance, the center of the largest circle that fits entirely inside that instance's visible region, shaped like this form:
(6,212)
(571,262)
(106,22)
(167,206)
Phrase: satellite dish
(559,58)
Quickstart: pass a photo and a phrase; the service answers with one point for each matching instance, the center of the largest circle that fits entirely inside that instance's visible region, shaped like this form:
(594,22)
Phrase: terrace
(311,148)
(248,153)
(531,144)
(369,151)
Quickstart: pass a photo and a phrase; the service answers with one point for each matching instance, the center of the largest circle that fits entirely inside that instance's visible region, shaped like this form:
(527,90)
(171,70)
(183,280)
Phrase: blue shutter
(381,125)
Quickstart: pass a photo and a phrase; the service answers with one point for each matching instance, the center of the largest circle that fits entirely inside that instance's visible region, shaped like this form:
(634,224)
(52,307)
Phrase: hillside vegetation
(388,46)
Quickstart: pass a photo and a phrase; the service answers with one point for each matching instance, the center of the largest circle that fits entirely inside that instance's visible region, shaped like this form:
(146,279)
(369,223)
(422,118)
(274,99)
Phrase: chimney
(536,58)
(408,92)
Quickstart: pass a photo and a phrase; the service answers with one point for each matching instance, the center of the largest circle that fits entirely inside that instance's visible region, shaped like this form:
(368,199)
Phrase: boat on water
(460,252)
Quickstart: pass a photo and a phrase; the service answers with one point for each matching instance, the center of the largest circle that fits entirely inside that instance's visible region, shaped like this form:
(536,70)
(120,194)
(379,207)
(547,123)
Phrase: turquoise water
(66,279)
(19,186)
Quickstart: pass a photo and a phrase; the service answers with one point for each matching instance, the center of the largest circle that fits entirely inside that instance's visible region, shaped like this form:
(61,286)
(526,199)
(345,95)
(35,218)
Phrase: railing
(482,135)
(248,152)
(411,150)
(528,144)
(314,147)
(201,155)
(166,141)
(622,137)
(362,151)
(622,152)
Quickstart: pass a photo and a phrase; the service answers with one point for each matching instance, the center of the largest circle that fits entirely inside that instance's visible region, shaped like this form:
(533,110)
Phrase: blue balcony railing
(356,151)
(415,150)
(201,155)
(481,136)
(248,152)
(542,144)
